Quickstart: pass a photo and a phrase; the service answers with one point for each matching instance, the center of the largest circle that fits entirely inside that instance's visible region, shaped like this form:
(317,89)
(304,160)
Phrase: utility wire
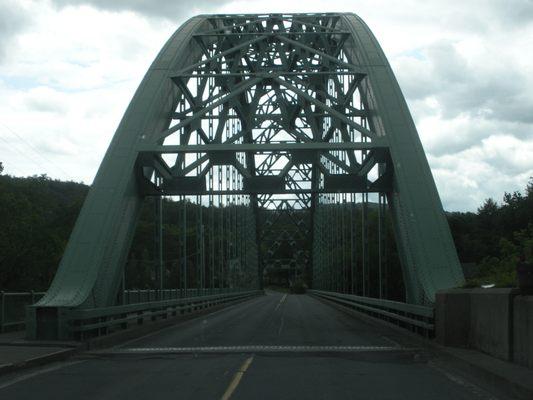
(36,151)
(24,155)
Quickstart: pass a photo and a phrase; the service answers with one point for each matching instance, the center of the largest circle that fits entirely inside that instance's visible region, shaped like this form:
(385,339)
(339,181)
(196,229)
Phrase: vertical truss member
(288,107)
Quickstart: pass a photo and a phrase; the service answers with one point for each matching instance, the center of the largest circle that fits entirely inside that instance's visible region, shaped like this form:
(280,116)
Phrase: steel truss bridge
(278,130)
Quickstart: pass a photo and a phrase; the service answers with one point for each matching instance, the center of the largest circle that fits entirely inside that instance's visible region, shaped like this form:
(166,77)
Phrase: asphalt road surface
(275,346)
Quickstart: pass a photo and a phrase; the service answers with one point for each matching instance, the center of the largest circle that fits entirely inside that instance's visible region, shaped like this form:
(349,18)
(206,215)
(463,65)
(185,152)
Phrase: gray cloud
(497,92)
(492,90)
(513,13)
(482,16)
(170,9)
(45,105)
(13,20)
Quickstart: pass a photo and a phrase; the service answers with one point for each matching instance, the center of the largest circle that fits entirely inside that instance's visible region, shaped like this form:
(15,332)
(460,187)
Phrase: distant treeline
(496,237)
(37,215)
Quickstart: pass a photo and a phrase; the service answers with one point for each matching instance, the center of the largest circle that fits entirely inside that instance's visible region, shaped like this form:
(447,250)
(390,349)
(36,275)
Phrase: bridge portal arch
(281,111)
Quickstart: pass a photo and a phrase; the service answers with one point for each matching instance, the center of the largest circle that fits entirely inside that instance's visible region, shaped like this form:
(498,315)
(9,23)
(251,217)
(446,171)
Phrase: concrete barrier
(491,319)
(481,319)
(452,317)
(523,330)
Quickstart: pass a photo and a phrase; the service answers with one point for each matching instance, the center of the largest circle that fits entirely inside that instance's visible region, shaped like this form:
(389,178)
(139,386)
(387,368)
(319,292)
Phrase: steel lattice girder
(294,105)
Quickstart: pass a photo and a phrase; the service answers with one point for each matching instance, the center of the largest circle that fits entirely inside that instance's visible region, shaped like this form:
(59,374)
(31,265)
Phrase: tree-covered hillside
(36,217)
(38,213)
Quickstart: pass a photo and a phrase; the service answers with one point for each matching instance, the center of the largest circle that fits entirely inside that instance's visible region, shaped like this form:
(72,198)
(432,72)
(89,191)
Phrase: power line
(11,147)
(36,151)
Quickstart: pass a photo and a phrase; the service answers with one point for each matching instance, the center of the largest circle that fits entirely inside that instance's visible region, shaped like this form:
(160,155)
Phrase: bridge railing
(414,317)
(13,309)
(144,295)
(88,323)
(13,304)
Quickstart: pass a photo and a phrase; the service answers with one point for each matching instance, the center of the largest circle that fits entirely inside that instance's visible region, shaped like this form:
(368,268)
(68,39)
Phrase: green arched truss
(299,105)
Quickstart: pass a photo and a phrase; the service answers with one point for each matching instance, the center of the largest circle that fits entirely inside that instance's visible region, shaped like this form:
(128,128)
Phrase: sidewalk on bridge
(17,353)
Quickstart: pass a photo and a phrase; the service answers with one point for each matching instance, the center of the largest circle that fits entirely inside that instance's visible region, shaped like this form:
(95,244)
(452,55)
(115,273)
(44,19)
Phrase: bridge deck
(272,347)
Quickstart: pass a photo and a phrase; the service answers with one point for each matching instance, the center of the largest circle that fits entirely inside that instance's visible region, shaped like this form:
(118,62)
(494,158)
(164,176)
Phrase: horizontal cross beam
(262,147)
(265,74)
(357,188)
(273,33)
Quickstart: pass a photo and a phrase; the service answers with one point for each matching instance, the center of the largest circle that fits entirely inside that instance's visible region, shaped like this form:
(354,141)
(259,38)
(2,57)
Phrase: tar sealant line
(257,349)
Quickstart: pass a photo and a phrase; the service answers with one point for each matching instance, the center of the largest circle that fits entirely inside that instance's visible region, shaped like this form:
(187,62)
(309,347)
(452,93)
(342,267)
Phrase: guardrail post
(2,311)
(123,325)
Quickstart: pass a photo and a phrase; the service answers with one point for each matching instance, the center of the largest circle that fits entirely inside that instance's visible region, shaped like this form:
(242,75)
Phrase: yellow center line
(237,378)
(281,301)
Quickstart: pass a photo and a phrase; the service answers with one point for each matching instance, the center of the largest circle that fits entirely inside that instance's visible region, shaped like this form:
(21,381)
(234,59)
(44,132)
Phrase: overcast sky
(68,69)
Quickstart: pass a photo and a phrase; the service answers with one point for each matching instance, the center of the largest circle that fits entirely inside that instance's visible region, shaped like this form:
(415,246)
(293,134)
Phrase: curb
(38,361)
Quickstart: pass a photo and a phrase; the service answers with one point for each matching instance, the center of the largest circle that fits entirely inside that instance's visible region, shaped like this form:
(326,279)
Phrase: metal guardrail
(13,304)
(411,316)
(132,296)
(101,321)
(13,309)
